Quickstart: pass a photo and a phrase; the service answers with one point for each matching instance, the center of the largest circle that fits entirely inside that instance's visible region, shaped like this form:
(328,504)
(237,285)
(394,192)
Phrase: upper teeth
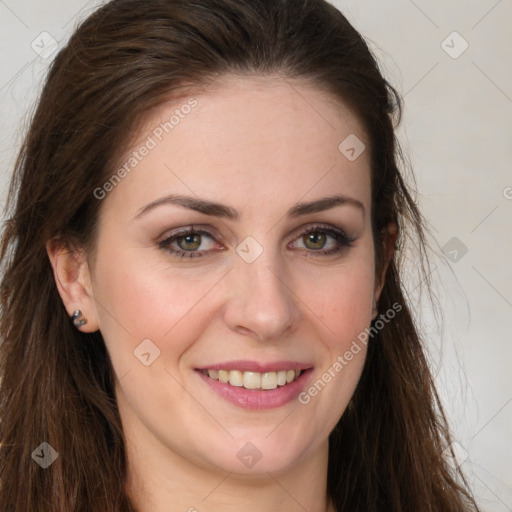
(255,380)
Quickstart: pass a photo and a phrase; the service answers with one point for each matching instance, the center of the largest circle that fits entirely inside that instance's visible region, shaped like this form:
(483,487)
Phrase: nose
(261,301)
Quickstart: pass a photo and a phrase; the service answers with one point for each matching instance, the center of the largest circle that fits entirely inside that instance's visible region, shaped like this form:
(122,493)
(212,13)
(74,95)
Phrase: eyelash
(339,236)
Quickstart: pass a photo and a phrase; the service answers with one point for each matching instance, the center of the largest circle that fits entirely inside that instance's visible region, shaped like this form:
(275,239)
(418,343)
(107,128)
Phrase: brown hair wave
(57,384)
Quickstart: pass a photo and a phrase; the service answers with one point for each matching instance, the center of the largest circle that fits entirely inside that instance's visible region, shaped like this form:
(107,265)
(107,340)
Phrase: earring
(78,319)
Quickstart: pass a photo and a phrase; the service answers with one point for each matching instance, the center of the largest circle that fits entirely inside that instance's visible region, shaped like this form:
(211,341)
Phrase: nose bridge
(262,301)
(266,279)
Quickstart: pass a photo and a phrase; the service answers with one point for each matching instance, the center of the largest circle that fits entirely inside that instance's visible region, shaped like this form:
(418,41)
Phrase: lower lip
(255,399)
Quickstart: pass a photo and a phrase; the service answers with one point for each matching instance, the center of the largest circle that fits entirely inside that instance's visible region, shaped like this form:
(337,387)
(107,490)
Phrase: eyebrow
(215,209)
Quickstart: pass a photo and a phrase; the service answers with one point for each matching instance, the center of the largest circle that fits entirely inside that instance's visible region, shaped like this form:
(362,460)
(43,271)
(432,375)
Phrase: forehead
(258,138)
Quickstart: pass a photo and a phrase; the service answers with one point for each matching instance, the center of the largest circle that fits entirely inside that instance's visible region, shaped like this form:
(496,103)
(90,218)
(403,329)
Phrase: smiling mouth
(254,380)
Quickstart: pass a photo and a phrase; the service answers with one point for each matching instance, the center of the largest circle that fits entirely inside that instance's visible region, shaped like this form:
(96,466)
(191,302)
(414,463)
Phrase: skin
(259,145)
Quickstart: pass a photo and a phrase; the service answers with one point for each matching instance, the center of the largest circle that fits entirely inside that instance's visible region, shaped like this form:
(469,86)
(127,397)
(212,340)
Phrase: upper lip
(254,366)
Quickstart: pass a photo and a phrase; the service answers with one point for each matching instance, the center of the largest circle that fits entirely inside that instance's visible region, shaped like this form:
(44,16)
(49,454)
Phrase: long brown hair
(57,383)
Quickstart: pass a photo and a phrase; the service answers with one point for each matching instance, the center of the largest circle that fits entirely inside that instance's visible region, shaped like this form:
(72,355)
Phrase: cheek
(342,300)
(346,315)
(343,305)
(345,308)
(138,300)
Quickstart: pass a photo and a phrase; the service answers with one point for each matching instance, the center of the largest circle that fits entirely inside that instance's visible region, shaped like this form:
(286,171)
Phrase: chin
(259,453)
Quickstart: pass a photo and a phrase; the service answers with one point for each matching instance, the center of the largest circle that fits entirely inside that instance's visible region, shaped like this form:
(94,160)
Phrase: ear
(72,277)
(389,241)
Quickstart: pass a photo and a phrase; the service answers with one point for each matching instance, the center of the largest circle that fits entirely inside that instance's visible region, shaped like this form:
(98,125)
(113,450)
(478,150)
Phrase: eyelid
(339,235)
(213,232)
(185,230)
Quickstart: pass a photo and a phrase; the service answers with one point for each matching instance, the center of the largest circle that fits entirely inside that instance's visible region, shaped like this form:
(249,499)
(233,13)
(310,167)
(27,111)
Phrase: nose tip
(262,304)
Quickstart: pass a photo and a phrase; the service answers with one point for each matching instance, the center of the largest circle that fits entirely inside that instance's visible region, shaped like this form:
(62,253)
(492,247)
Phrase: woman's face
(246,296)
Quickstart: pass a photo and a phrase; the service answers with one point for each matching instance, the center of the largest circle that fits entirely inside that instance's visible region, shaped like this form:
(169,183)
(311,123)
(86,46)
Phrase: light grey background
(457,134)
